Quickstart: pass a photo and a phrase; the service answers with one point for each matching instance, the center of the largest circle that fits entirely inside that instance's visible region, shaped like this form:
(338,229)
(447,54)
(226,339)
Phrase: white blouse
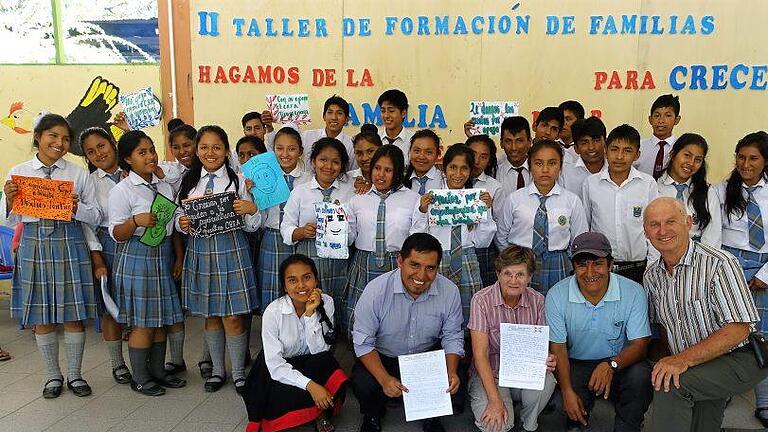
(271,217)
(713,233)
(363,216)
(134,196)
(300,208)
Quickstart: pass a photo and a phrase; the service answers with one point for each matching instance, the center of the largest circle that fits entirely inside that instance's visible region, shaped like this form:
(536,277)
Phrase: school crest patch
(562,220)
(637,211)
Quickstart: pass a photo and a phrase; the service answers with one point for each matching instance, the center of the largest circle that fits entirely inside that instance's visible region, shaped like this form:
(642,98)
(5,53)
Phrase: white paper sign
(142,109)
(456,207)
(109,303)
(425,375)
(332,231)
(524,351)
(289,108)
(488,116)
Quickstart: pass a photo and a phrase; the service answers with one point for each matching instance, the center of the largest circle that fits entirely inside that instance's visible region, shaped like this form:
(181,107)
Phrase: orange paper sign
(43,198)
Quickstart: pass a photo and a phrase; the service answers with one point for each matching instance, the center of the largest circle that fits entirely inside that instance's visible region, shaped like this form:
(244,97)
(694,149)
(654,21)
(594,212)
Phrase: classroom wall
(614,57)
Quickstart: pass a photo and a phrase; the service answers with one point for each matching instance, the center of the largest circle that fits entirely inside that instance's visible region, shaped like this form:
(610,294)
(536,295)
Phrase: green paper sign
(163,209)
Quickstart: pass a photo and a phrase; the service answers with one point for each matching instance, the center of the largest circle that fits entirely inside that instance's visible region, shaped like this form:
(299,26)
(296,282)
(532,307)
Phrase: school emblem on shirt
(562,220)
(637,211)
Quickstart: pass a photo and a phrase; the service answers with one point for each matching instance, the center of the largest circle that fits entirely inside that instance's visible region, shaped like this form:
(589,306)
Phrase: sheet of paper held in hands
(43,198)
(456,207)
(332,231)
(289,108)
(269,186)
(109,302)
(524,351)
(425,375)
(163,209)
(488,116)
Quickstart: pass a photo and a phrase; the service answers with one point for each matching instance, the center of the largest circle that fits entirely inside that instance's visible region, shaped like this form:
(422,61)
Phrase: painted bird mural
(18,118)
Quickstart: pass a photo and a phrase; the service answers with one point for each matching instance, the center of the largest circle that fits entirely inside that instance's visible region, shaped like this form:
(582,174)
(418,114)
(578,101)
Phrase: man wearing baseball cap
(599,333)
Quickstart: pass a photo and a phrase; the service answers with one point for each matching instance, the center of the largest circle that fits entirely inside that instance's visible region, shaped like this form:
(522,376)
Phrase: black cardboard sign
(212,214)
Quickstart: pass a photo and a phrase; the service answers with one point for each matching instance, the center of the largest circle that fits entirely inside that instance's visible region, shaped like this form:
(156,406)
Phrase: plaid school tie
(680,189)
(288,179)
(754,221)
(327,194)
(49,170)
(423,184)
(455,248)
(541,228)
(381,244)
(209,185)
(116,176)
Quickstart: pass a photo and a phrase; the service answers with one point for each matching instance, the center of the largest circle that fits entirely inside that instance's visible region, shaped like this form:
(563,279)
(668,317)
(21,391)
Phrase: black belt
(628,265)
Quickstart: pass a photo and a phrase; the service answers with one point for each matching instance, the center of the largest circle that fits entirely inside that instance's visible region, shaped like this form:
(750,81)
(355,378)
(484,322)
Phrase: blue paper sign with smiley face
(269,185)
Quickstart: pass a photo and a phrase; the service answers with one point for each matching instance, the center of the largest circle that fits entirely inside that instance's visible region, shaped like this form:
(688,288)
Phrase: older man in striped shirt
(699,299)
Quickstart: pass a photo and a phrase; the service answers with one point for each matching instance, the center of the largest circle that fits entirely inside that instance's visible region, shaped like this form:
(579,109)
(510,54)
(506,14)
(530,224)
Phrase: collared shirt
(593,332)
(300,176)
(363,215)
(616,211)
(569,153)
(705,291)
(355,173)
(402,140)
(477,235)
(490,184)
(565,217)
(736,228)
(284,335)
(300,208)
(103,185)
(488,311)
(712,234)
(573,175)
(390,321)
(88,209)
(649,148)
(310,137)
(506,174)
(222,183)
(133,196)
(174,174)
(436,180)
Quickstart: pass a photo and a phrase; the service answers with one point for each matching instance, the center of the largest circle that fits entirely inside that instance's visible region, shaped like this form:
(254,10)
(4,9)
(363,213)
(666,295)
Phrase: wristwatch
(614,365)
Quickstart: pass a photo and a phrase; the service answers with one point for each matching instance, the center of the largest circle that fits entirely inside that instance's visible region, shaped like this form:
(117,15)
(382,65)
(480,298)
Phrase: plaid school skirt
(254,243)
(551,268)
(363,271)
(108,252)
(486,258)
(333,277)
(144,288)
(52,277)
(752,262)
(467,279)
(218,278)
(272,253)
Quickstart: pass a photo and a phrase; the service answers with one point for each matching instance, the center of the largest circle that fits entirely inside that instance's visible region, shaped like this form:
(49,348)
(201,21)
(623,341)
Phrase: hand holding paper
(524,354)
(426,377)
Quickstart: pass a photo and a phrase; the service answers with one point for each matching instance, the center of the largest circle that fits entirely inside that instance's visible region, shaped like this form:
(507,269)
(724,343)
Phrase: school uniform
(52,277)
(433,179)
(379,225)
(402,140)
(174,174)
(649,152)
(144,288)
(218,278)
(104,243)
(355,173)
(487,255)
(712,233)
(459,261)
(616,211)
(310,137)
(569,153)
(549,236)
(512,178)
(273,250)
(299,211)
(294,353)
(573,175)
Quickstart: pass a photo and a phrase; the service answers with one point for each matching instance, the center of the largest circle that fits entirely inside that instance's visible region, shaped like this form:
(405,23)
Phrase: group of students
(565,176)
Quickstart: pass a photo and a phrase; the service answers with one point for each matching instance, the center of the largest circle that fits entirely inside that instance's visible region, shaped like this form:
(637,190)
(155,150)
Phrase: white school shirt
(480,236)
(649,147)
(133,196)
(736,230)
(402,140)
(507,176)
(355,173)
(310,137)
(300,208)
(284,335)
(222,184)
(436,180)
(104,186)
(271,217)
(616,211)
(363,214)
(88,209)
(490,184)
(174,174)
(565,218)
(573,175)
(569,153)
(712,234)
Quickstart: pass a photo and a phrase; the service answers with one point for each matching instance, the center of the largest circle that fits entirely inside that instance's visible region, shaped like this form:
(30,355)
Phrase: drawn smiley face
(265,179)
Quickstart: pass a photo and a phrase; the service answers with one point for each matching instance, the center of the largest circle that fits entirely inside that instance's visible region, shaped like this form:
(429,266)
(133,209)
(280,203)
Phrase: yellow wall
(534,68)
(58,89)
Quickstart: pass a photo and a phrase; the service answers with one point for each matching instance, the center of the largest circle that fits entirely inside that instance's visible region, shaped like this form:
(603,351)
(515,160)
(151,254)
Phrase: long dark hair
(493,163)
(326,142)
(50,121)
(330,336)
(699,185)
(127,144)
(102,134)
(398,161)
(735,203)
(424,133)
(460,149)
(192,176)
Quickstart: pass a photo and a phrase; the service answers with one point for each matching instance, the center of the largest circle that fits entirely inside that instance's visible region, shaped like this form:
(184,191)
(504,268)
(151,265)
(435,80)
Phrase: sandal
(240,386)
(81,390)
(122,374)
(170,381)
(53,392)
(214,386)
(759,416)
(4,355)
(205,372)
(322,424)
(173,368)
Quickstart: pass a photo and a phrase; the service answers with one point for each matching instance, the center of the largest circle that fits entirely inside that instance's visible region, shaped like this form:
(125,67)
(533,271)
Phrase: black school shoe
(432,425)
(122,375)
(205,372)
(214,386)
(81,390)
(170,381)
(53,392)
(149,389)
(173,368)
(371,424)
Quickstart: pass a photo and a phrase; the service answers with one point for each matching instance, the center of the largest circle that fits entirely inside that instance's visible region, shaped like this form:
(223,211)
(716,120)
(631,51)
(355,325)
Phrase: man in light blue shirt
(599,333)
(409,310)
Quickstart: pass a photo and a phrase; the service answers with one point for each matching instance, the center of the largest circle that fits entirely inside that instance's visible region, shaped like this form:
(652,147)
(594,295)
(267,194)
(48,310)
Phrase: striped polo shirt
(705,291)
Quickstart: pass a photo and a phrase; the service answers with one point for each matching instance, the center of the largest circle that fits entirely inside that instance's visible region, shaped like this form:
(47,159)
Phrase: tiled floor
(113,407)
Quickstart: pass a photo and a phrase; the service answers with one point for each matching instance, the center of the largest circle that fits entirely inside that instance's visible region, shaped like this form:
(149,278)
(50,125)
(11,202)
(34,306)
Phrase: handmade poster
(488,116)
(456,207)
(163,209)
(523,360)
(142,109)
(332,231)
(425,375)
(212,214)
(43,198)
(269,185)
(289,108)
